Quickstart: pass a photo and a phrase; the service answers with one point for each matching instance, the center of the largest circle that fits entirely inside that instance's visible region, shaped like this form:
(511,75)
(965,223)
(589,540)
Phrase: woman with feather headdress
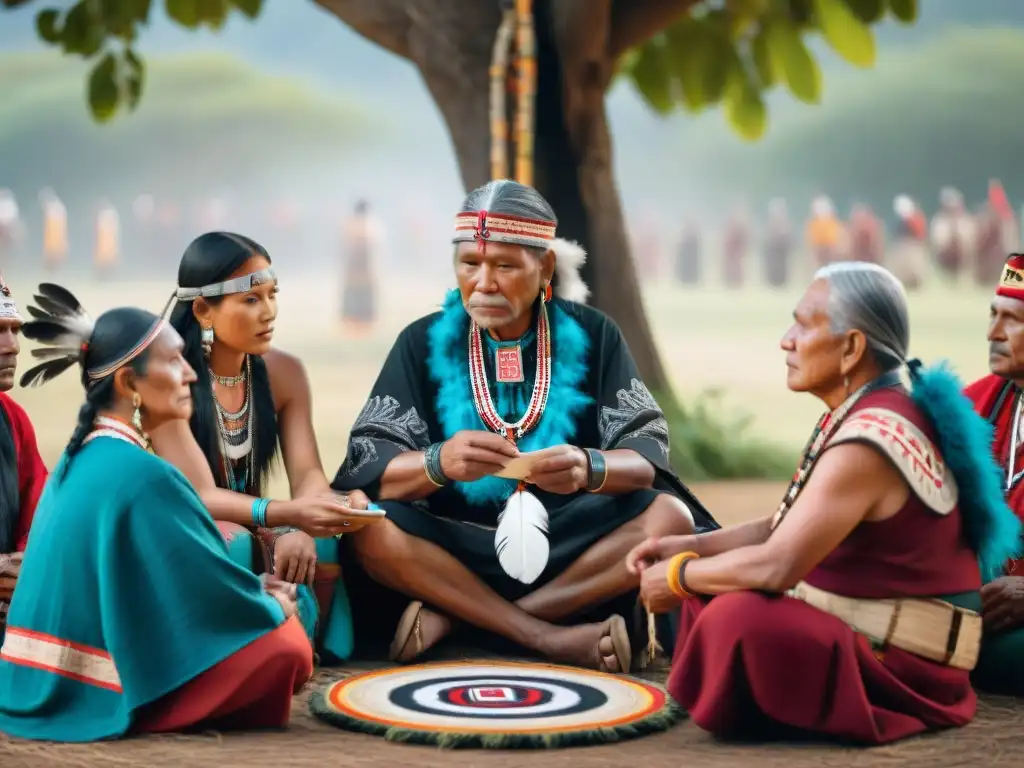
(516,451)
(153,622)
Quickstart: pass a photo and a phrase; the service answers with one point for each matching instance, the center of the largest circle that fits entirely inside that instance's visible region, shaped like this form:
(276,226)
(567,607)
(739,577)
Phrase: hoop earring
(137,417)
(206,339)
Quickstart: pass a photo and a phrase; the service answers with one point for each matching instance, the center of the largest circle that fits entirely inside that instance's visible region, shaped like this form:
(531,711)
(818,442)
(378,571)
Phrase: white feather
(569,260)
(521,540)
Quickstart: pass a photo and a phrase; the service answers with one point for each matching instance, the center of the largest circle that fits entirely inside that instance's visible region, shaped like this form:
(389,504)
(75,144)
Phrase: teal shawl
(125,563)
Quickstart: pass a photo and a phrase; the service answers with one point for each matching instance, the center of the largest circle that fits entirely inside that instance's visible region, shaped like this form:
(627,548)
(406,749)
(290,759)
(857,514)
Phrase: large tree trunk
(452,49)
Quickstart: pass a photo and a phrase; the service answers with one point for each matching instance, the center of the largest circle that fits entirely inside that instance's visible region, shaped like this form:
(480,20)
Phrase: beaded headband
(1011,282)
(484,227)
(95,374)
(241,284)
(8,309)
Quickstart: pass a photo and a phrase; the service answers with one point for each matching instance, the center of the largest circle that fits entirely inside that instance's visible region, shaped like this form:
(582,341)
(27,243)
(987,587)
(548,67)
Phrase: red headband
(1011,282)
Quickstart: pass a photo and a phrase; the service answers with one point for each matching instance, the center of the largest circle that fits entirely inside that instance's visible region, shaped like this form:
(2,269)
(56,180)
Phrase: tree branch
(636,21)
(384,22)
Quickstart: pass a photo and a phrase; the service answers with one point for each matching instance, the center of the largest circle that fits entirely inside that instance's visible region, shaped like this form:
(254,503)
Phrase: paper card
(519,467)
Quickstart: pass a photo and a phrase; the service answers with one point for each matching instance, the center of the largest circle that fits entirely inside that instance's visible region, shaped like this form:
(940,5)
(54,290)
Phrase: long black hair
(10,497)
(70,336)
(212,258)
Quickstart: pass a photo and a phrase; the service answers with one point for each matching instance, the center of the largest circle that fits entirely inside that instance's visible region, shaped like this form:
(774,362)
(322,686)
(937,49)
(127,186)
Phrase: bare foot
(602,646)
(426,628)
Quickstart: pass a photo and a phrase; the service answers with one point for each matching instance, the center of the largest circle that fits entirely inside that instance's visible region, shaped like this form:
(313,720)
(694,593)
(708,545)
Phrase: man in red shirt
(997,397)
(22,472)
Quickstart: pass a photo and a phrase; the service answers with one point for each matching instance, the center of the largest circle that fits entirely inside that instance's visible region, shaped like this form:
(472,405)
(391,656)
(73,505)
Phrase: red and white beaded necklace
(107,427)
(541,385)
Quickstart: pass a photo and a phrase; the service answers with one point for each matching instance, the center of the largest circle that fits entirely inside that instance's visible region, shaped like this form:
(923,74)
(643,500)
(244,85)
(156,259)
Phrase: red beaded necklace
(541,386)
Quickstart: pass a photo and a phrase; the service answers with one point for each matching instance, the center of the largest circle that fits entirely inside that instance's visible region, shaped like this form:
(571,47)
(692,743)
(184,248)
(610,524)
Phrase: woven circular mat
(496,705)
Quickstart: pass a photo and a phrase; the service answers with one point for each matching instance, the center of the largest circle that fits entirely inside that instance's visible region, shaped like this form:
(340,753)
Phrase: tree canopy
(678,53)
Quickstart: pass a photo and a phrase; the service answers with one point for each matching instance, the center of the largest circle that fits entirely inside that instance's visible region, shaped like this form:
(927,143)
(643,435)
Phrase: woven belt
(932,629)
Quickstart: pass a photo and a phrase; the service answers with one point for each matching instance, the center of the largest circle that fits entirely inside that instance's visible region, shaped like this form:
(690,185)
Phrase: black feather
(49,353)
(42,373)
(45,331)
(39,314)
(62,296)
(54,308)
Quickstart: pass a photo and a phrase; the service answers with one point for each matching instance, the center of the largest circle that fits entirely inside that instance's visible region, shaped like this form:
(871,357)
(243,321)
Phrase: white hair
(869,298)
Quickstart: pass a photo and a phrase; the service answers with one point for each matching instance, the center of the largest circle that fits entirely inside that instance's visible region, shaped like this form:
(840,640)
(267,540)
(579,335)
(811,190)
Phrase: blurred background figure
(909,260)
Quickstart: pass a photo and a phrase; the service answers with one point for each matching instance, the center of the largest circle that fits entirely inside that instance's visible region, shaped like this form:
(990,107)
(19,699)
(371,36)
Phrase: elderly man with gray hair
(517,453)
(997,397)
(856,586)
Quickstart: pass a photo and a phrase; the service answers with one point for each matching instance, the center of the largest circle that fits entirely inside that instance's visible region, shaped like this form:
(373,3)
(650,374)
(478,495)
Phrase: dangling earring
(547,293)
(206,339)
(846,385)
(137,417)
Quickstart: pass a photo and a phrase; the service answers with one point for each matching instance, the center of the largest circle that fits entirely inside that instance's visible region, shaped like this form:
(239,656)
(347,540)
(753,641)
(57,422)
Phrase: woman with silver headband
(154,628)
(253,402)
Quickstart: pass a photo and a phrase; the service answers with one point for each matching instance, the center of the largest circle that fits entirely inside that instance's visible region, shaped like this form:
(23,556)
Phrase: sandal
(408,629)
(616,630)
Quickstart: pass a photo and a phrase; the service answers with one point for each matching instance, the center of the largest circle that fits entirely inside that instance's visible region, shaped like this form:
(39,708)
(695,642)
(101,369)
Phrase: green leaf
(847,35)
(792,60)
(650,74)
(185,12)
(767,72)
(134,78)
(250,8)
(687,50)
(46,25)
(904,10)
(720,59)
(868,11)
(83,31)
(744,107)
(104,93)
(213,13)
(122,17)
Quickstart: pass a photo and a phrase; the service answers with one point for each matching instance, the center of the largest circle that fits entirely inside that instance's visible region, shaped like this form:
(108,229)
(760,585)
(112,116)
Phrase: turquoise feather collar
(448,363)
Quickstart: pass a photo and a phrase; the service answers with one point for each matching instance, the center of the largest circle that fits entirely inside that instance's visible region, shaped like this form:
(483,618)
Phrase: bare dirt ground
(993,739)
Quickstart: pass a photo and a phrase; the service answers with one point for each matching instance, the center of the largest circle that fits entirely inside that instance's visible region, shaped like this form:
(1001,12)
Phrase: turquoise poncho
(126,594)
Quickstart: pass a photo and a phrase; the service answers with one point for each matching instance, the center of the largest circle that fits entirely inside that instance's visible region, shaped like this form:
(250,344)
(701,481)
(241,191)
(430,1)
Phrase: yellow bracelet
(675,569)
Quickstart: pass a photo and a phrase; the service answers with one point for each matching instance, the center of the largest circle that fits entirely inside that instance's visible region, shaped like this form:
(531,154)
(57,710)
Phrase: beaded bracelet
(432,465)
(259,512)
(674,576)
(597,470)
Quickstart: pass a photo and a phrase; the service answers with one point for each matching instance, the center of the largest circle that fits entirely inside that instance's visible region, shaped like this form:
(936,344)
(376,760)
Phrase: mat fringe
(655,722)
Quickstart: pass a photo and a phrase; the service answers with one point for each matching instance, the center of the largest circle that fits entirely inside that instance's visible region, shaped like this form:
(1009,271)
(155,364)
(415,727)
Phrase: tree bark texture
(450,41)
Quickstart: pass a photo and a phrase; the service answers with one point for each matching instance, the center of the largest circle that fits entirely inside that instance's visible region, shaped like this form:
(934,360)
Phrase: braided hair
(213,258)
(69,336)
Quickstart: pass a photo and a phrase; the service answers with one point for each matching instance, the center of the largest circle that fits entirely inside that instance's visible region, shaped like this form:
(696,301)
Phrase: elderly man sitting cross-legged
(511,378)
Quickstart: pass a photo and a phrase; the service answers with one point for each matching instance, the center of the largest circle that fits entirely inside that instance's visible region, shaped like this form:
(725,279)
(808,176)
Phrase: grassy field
(711,339)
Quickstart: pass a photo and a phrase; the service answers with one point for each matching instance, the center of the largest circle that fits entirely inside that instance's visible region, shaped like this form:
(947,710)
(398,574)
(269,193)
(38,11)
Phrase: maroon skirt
(757,666)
